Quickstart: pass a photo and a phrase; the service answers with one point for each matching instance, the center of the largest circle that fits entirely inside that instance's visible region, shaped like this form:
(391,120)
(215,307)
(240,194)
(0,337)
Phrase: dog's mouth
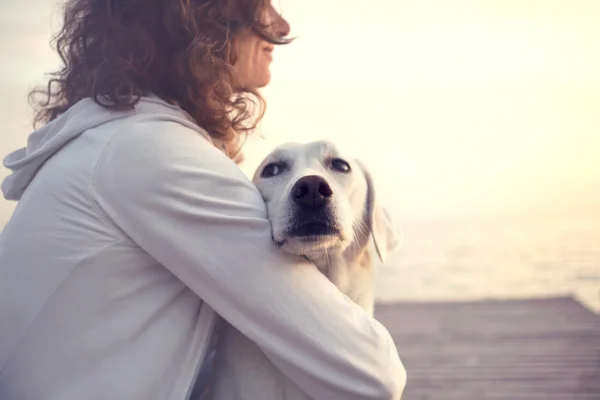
(310,225)
(310,230)
(314,230)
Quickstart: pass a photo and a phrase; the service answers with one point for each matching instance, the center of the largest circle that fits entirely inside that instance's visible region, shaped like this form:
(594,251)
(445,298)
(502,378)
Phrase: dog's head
(319,200)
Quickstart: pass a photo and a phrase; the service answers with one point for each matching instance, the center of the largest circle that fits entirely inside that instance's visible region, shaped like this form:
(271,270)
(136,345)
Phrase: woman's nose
(282,27)
(278,24)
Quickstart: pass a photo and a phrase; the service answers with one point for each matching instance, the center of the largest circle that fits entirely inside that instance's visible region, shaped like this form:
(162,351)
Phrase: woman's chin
(258,81)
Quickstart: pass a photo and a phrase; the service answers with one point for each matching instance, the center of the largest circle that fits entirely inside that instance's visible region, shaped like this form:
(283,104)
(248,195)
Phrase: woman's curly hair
(179,50)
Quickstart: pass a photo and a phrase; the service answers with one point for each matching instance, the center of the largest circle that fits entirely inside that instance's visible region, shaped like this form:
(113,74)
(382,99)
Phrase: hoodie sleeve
(195,212)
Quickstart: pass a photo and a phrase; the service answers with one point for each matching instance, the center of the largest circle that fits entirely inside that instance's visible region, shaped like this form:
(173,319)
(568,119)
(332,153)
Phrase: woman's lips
(269,51)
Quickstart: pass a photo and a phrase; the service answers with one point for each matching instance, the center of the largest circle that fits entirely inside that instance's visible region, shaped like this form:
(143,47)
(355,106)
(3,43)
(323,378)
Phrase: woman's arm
(196,213)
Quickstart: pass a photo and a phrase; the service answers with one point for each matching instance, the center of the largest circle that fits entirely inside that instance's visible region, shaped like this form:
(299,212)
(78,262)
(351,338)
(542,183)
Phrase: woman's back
(86,303)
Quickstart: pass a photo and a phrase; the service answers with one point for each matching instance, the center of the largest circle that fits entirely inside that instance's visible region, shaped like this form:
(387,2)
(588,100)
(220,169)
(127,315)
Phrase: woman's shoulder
(154,120)
(158,132)
(152,150)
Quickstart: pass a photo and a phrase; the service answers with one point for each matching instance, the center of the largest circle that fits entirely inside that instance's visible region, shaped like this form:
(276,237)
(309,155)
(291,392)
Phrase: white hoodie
(131,228)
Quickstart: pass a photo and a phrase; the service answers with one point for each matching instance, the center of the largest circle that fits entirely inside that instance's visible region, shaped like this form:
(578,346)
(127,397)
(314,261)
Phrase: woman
(134,224)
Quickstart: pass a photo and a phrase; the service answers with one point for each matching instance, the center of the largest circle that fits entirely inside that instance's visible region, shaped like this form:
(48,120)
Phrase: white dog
(322,206)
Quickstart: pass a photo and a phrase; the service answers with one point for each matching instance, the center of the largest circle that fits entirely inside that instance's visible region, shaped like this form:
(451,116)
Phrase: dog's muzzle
(312,197)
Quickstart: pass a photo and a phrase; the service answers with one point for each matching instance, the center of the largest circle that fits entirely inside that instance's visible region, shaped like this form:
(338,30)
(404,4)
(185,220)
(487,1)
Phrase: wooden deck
(519,350)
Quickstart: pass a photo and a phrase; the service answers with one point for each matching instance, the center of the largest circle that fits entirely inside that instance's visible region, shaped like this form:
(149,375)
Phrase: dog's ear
(386,235)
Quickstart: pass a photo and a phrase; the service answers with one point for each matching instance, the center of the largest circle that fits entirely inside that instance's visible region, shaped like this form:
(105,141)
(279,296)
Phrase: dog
(321,206)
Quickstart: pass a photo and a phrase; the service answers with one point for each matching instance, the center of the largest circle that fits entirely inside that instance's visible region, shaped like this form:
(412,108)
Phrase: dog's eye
(271,170)
(340,165)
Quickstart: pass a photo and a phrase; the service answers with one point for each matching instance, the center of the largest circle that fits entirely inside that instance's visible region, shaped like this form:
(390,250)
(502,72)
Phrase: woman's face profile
(254,55)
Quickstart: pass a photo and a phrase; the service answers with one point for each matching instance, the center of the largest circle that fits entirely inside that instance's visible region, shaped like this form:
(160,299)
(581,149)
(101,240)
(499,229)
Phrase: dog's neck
(350,257)
(340,266)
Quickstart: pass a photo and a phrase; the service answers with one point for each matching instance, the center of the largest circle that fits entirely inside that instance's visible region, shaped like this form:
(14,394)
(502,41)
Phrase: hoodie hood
(86,114)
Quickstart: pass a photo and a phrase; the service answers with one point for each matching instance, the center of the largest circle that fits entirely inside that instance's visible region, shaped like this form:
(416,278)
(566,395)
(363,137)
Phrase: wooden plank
(496,349)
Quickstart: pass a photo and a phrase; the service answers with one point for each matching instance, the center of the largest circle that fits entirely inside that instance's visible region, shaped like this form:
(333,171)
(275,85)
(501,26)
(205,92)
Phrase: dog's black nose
(311,191)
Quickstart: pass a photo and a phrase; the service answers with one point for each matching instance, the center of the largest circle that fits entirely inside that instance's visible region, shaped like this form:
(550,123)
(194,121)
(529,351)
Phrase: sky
(460,108)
